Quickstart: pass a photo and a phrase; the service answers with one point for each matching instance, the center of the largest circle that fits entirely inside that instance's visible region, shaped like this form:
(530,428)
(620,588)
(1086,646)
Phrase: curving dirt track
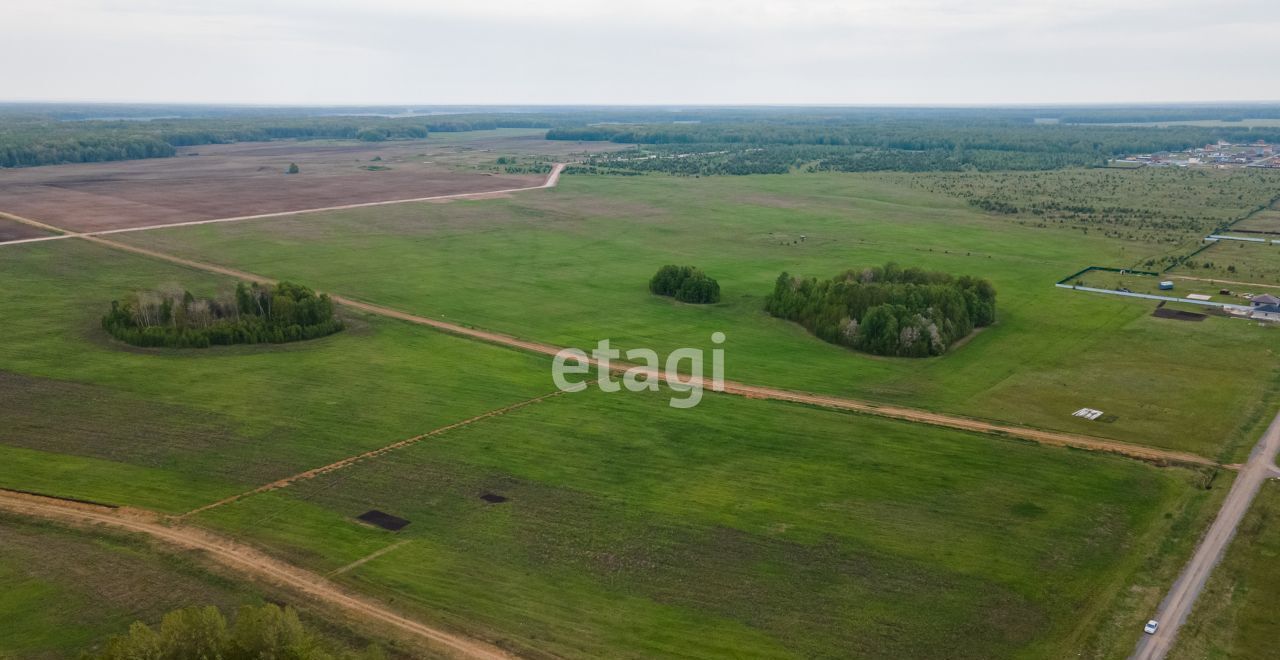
(248,561)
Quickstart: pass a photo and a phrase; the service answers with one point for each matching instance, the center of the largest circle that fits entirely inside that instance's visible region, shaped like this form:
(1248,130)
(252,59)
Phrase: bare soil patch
(1178,314)
(218,181)
(383,520)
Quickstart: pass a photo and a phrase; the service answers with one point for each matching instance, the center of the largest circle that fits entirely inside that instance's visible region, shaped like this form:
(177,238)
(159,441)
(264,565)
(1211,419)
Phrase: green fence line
(1109,270)
(1183,259)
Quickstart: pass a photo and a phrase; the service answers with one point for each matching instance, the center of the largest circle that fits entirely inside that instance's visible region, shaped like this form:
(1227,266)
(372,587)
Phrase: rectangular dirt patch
(1177,314)
(383,520)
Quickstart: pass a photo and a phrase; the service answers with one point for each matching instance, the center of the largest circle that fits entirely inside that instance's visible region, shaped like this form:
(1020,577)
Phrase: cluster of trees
(889,310)
(203,632)
(253,314)
(686,284)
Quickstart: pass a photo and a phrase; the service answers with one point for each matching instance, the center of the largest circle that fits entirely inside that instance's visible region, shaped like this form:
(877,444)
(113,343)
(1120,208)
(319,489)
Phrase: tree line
(686,284)
(253,314)
(888,310)
(38,140)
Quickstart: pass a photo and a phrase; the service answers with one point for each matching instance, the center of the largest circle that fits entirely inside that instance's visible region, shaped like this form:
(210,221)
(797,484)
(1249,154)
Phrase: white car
(1151,627)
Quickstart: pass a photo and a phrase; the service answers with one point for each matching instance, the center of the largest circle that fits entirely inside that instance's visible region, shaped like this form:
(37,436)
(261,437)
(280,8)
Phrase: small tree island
(686,284)
(255,314)
(889,310)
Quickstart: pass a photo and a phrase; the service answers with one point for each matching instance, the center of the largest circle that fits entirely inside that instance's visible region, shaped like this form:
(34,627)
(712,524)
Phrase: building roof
(1266,299)
(1268,309)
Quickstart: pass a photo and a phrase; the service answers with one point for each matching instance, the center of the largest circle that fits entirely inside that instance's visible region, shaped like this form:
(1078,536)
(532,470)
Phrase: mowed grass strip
(95,419)
(747,528)
(569,266)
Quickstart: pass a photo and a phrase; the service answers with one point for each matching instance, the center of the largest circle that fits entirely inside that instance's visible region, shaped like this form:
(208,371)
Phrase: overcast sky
(647,52)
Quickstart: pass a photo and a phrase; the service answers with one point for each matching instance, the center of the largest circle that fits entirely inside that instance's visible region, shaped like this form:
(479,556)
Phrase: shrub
(686,284)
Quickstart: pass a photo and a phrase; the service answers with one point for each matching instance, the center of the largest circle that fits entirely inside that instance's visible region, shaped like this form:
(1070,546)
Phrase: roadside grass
(570,266)
(64,590)
(1235,615)
(167,429)
(747,528)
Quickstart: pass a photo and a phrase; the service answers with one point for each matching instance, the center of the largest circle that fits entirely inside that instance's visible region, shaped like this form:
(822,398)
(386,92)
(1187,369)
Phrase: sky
(621,52)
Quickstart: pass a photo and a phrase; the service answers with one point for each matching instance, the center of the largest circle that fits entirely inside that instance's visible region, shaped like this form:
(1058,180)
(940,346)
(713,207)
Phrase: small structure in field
(1166,285)
(1087,413)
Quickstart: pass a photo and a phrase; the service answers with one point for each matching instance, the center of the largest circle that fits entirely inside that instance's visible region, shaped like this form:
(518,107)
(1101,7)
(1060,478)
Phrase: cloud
(623,52)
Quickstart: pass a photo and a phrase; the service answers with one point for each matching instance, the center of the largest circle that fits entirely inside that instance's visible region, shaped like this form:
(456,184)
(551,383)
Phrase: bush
(686,284)
(887,310)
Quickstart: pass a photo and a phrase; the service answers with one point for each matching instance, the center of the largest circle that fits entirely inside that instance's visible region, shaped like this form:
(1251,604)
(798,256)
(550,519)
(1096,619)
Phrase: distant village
(1221,155)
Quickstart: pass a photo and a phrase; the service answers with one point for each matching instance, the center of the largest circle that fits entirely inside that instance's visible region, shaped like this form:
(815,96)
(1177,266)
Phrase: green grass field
(739,528)
(1268,220)
(744,528)
(170,430)
(1235,617)
(1240,261)
(570,266)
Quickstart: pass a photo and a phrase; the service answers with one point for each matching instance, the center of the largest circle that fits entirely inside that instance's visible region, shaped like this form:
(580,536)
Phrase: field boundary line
(366,559)
(373,453)
(246,560)
(553,178)
(1041,436)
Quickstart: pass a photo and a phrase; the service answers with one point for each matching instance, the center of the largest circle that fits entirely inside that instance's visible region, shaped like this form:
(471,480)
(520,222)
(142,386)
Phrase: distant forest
(29,140)
(676,140)
(889,310)
(254,314)
(911,145)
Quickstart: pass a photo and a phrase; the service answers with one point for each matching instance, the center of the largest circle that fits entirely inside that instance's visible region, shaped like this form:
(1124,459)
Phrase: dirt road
(1186,589)
(552,179)
(249,562)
